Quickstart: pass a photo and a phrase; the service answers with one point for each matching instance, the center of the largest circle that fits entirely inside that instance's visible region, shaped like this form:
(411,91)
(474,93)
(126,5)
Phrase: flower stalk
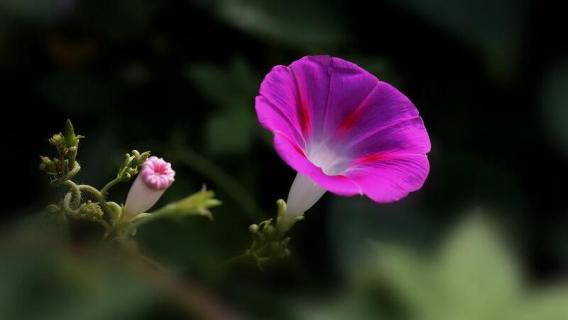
(342,130)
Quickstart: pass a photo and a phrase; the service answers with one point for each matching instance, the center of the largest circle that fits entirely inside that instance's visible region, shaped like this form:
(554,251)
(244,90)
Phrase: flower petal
(276,104)
(350,87)
(392,179)
(383,107)
(405,136)
(312,81)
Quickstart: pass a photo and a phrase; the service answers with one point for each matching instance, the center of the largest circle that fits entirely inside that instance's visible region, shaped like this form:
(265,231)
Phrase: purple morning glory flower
(343,130)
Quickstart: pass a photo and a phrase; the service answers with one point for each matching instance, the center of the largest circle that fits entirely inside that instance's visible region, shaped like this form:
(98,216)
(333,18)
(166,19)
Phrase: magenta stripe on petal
(345,129)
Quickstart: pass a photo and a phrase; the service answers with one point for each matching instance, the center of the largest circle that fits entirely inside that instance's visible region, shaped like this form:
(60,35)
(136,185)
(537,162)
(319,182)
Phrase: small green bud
(48,166)
(127,160)
(57,165)
(281,206)
(115,210)
(253,228)
(143,157)
(71,140)
(57,141)
(72,154)
(91,210)
(138,158)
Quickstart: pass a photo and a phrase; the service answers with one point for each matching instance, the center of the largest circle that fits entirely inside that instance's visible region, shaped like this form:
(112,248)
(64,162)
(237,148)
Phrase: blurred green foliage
(304,24)
(43,280)
(471,274)
(232,128)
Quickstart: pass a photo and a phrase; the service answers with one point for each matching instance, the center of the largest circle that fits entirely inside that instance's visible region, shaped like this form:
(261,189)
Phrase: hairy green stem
(109,185)
(151,217)
(67,205)
(74,212)
(247,256)
(76,168)
(99,196)
(75,193)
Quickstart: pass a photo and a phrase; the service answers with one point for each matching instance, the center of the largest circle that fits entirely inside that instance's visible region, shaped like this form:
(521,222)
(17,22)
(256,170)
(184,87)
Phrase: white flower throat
(304,193)
(327,159)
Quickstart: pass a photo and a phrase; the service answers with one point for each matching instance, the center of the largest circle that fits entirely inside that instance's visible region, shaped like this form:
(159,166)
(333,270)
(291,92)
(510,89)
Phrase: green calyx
(269,240)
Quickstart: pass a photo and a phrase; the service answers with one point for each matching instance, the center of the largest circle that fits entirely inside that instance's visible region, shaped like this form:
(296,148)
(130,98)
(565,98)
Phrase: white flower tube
(304,193)
(154,178)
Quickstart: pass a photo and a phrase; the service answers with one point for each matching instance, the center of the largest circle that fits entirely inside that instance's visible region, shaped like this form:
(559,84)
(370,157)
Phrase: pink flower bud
(156,175)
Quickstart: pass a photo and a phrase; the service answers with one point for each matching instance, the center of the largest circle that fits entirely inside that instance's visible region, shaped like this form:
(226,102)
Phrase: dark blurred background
(179,77)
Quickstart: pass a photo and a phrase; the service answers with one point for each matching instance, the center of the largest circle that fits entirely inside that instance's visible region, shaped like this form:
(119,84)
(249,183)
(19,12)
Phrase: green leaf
(352,305)
(198,203)
(57,284)
(232,128)
(229,87)
(473,276)
(301,24)
(355,222)
(550,304)
(478,275)
(411,278)
(230,132)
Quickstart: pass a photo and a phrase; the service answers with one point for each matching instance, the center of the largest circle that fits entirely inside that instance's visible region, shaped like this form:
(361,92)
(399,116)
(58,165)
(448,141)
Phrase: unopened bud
(47,165)
(155,177)
(57,141)
(71,140)
(91,210)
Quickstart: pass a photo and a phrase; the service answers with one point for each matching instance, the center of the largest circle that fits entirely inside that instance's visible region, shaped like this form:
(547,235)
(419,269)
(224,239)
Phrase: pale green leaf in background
(301,24)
